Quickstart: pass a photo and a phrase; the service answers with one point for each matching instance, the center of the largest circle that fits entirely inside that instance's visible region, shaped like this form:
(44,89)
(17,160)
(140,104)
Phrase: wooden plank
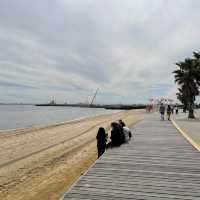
(158,164)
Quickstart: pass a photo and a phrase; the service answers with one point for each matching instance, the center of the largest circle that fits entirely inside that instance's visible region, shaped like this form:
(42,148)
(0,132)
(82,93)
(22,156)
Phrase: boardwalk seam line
(80,177)
(188,138)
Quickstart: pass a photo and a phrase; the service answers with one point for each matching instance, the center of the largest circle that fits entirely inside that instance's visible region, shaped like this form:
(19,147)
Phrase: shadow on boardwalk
(157,164)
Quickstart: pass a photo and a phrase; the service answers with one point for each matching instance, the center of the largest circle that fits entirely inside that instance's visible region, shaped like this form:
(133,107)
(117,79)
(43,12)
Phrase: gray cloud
(15,85)
(69,48)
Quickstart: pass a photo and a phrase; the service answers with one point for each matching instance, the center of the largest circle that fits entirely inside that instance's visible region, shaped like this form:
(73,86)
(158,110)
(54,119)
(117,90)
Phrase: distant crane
(53,101)
(95,94)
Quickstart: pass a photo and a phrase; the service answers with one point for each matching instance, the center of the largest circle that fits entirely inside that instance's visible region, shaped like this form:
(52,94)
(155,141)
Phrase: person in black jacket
(117,136)
(169,111)
(101,141)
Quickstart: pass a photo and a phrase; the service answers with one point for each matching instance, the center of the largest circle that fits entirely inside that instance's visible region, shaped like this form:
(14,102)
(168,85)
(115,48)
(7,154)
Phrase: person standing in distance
(169,111)
(162,111)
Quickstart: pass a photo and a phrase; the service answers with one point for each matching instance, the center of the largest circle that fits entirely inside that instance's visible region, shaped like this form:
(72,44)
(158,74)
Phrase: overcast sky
(68,48)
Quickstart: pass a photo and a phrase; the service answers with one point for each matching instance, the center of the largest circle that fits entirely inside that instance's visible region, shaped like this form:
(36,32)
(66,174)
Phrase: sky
(69,48)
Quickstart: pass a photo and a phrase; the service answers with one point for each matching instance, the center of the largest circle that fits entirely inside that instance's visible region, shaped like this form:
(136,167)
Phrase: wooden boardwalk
(157,164)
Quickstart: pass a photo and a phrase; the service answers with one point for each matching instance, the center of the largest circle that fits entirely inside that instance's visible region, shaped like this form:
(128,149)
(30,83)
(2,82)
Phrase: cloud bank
(68,48)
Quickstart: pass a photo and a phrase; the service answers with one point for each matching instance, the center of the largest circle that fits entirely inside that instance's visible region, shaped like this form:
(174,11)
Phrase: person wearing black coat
(169,111)
(117,136)
(101,141)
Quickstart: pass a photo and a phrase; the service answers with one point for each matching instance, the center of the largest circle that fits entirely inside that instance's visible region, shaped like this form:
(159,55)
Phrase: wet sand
(42,163)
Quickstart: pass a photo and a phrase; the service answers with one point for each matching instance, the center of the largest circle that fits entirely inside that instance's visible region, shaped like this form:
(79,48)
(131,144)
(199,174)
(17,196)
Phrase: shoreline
(4,131)
(42,164)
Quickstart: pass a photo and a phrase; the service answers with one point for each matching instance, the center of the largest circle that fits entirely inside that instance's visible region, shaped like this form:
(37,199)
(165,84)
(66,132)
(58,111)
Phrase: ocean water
(24,116)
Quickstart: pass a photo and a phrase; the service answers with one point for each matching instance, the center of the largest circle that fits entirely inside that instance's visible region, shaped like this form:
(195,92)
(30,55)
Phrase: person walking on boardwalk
(169,111)
(176,109)
(172,110)
(101,141)
(162,111)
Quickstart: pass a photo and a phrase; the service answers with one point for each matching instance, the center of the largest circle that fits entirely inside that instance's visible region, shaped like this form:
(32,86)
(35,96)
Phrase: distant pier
(110,106)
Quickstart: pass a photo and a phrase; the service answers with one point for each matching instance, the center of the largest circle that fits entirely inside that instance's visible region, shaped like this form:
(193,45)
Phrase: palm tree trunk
(191,110)
(191,114)
(185,107)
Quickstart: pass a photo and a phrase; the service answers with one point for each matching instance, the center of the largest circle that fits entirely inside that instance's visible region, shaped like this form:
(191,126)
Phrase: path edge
(186,135)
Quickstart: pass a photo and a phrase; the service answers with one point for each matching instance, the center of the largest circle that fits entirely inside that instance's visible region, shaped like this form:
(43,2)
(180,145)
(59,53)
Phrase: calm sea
(23,116)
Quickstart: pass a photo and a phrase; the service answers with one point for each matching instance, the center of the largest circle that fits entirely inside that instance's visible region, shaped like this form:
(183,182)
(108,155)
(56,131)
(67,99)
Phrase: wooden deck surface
(157,164)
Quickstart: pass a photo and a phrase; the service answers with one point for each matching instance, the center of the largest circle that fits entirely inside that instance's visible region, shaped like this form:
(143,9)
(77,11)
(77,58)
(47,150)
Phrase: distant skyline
(69,48)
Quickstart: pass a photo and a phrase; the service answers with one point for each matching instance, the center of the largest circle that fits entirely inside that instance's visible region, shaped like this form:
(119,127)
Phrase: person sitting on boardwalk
(101,141)
(126,131)
(122,123)
(127,134)
(117,136)
(162,111)
(169,111)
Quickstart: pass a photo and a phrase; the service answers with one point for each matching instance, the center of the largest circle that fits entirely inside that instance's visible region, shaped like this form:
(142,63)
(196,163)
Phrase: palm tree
(187,76)
(182,98)
(196,55)
(197,66)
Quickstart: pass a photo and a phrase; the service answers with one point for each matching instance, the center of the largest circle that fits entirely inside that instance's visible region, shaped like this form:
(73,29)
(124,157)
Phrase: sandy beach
(42,163)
